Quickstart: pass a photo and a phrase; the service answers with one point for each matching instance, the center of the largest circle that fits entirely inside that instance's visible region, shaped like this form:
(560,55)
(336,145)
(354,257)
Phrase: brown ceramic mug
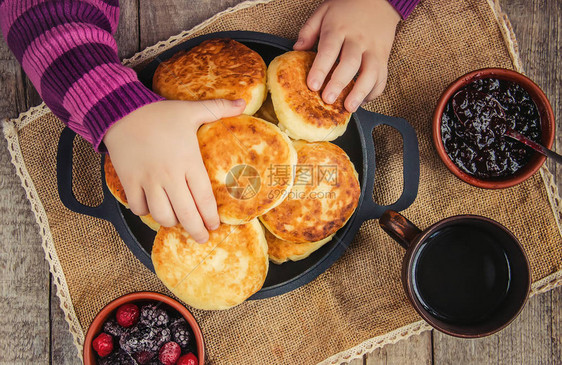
(466,275)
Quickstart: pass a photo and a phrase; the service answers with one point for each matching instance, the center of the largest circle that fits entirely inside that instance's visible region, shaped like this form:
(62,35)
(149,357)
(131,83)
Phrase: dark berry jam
(475,120)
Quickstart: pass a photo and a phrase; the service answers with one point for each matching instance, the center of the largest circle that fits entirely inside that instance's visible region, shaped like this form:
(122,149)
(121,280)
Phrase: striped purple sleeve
(67,50)
(404,7)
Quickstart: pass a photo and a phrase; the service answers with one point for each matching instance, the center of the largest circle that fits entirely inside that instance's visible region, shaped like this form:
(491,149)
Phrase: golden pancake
(114,185)
(215,69)
(324,196)
(250,163)
(301,112)
(219,274)
(267,112)
(281,251)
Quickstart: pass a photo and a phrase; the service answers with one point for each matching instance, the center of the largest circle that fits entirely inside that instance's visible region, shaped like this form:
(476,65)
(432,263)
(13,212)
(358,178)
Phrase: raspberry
(113,328)
(127,315)
(188,359)
(143,338)
(180,332)
(169,353)
(103,344)
(152,315)
(144,357)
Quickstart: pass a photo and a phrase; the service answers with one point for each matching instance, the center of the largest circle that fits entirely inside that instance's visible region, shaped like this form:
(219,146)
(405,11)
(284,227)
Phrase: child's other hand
(156,156)
(361,33)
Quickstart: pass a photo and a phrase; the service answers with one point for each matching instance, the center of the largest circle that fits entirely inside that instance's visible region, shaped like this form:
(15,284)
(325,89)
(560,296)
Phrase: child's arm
(67,49)
(358,32)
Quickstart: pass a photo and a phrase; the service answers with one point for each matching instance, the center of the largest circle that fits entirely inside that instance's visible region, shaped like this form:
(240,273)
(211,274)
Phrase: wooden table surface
(32,327)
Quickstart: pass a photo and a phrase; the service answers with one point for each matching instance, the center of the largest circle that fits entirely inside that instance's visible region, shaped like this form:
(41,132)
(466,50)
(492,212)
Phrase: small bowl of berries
(474,118)
(144,328)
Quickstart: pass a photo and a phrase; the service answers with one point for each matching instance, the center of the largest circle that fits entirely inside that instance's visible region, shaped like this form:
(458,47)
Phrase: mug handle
(64,181)
(411,162)
(399,228)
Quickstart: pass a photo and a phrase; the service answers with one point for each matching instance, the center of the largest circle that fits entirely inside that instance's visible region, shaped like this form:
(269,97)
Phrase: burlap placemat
(358,304)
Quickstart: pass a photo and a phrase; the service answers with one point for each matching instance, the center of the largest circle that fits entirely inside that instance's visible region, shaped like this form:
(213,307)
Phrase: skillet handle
(411,163)
(64,181)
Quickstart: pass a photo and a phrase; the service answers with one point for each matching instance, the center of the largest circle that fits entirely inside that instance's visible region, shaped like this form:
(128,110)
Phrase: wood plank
(414,350)
(525,341)
(556,323)
(538,27)
(5,53)
(12,96)
(24,287)
(450,350)
(127,34)
(357,362)
(528,340)
(63,351)
(32,97)
(161,19)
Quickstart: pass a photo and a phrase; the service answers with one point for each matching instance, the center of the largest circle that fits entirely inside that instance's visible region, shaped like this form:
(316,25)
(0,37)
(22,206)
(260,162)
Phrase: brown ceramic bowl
(96,326)
(547,126)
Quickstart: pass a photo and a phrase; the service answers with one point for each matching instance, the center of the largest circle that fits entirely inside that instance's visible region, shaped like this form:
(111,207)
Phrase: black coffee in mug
(466,275)
(461,274)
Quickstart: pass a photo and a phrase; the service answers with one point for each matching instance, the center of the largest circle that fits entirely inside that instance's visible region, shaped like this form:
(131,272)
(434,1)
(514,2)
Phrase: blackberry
(137,339)
(153,315)
(144,338)
(117,358)
(125,359)
(113,328)
(180,333)
(162,336)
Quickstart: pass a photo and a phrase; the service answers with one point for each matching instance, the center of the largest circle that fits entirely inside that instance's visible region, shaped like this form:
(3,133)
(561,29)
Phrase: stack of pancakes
(302,189)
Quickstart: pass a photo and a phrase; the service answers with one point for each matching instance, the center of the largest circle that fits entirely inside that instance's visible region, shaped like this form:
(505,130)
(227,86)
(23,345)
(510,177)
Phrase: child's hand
(361,33)
(156,156)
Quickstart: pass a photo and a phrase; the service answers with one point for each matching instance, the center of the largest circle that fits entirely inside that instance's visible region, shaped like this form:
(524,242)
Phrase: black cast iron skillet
(357,142)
